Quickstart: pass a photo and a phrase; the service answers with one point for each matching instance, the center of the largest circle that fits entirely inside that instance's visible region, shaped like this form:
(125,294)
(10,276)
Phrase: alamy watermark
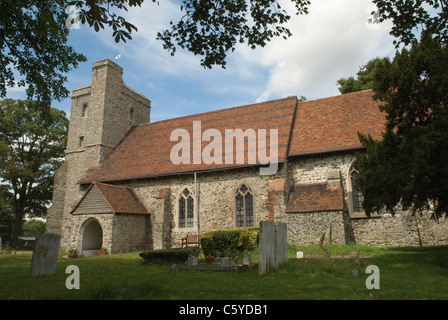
(233,143)
(373,281)
(72,281)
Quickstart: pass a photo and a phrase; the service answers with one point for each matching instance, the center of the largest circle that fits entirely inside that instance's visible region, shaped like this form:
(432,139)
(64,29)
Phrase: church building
(131,184)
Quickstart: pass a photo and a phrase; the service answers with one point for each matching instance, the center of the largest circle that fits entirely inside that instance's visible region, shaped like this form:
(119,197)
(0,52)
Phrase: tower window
(131,114)
(84,110)
(81,142)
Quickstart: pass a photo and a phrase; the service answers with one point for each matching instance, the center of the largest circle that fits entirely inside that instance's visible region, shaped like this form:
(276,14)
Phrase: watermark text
(233,143)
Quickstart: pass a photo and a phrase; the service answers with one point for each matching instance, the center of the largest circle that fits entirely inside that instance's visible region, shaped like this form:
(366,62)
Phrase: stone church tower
(101,115)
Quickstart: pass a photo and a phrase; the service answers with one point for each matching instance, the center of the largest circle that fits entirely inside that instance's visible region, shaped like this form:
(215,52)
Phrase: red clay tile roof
(122,200)
(314,197)
(145,151)
(319,126)
(332,124)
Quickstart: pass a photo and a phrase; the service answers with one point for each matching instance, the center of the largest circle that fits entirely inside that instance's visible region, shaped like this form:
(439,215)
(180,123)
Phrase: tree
(33,35)
(213,28)
(6,213)
(32,143)
(33,41)
(208,28)
(33,228)
(409,166)
(409,15)
(364,78)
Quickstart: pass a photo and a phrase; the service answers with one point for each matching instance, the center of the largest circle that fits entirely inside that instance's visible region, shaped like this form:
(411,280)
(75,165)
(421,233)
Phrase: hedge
(221,243)
(169,255)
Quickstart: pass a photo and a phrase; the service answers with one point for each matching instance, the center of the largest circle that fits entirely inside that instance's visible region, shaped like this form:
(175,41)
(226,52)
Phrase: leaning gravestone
(45,255)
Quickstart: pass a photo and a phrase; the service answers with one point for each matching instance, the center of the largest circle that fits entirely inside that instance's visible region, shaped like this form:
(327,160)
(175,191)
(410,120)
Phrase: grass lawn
(405,273)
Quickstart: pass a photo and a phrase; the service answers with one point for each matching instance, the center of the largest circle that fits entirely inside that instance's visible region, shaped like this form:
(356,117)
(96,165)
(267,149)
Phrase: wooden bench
(191,239)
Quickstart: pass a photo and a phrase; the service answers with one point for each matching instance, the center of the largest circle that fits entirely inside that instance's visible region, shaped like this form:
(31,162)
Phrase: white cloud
(150,19)
(333,41)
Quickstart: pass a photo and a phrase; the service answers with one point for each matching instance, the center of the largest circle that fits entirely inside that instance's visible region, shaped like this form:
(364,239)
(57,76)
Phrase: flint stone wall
(216,202)
(307,228)
(402,229)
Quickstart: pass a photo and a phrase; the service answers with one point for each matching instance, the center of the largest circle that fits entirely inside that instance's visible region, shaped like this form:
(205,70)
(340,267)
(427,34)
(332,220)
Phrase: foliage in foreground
(220,243)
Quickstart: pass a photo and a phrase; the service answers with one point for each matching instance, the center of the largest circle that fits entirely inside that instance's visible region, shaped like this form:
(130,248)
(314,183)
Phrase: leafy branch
(213,28)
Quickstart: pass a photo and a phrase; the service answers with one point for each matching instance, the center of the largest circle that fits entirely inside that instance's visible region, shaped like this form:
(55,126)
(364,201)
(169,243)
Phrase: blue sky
(333,41)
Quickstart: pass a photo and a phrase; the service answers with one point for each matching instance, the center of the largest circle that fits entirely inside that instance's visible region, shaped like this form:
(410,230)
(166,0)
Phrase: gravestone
(45,255)
(192,261)
(247,260)
(272,251)
(355,257)
(226,261)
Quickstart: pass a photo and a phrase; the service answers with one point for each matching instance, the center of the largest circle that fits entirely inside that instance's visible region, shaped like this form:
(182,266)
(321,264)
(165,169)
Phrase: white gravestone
(45,255)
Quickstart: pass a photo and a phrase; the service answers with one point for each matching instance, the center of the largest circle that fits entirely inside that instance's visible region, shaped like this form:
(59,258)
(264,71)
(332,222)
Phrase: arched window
(244,206)
(186,209)
(131,114)
(85,110)
(355,197)
(356,194)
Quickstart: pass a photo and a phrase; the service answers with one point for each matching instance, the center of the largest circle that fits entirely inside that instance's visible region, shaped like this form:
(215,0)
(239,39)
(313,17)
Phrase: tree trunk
(17,226)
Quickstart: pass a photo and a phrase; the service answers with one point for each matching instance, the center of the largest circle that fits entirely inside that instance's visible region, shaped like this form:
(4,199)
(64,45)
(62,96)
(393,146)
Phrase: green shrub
(249,239)
(220,243)
(33,228)
(169,255)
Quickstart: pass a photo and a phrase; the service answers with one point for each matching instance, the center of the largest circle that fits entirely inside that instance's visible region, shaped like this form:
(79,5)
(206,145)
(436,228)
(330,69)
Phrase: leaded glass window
(244,206)
(186,209)
(356,194)
(181,212)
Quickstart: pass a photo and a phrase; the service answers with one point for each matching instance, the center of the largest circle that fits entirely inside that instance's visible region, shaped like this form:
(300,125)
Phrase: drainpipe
(196,195)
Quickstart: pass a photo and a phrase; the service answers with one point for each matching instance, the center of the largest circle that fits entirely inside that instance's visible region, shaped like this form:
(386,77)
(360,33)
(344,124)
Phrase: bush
(222,243)
(169,255)
(249,239)
(33,228)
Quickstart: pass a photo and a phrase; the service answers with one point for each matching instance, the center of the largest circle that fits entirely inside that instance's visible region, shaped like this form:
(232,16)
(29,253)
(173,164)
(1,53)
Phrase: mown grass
(405,273)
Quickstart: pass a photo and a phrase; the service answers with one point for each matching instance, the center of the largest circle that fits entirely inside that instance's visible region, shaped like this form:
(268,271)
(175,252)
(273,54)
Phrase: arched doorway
(92,237)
